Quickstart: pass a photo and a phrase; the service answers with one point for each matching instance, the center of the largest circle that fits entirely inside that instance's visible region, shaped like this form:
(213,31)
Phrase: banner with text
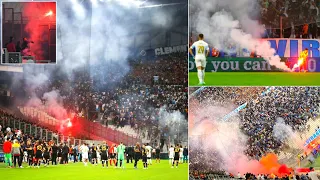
(170,50)
(284,48)
(245,64)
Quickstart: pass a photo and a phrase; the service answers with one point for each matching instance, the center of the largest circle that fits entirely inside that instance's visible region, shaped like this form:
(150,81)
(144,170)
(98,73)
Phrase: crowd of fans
(296,105)
(300,18)
(23,146)
(131,96)
(236,95)
(7,132)
(198,175)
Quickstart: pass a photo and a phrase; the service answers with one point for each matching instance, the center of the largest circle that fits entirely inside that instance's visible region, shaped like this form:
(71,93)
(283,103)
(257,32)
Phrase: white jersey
(84,151)
(149,151)
(201,48)
(171,152)
(181,152)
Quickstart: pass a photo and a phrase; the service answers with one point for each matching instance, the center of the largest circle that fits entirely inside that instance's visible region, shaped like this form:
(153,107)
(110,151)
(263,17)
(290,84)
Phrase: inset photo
(254,132)
(254,43)
(28,32)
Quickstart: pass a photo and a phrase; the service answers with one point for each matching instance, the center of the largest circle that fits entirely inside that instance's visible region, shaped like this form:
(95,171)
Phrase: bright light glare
(49,13)
(69,124)
(78,9)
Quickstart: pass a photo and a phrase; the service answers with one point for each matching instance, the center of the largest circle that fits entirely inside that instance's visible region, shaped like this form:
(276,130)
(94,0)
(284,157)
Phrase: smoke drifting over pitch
(229,22)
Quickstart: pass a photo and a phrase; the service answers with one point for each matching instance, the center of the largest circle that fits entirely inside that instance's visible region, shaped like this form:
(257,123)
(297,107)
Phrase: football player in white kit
(149,148)
(171,154)
(202,51)
(181,155)
(84,151)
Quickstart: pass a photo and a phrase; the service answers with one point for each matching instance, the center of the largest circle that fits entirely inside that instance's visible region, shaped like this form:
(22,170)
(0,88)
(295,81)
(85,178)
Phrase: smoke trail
(226,23)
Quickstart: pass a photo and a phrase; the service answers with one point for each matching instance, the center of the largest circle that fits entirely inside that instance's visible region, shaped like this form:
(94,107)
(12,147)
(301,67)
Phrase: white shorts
(201,62)
(171,156)
(85,156)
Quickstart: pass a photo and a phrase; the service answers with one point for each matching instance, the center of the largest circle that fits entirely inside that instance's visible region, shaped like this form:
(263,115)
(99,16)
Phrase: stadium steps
(127,129)
(86,128)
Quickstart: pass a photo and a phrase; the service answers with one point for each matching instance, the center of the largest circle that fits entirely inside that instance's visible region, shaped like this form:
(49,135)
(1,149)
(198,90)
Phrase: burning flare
(302,58)
(48,13)
(300,62)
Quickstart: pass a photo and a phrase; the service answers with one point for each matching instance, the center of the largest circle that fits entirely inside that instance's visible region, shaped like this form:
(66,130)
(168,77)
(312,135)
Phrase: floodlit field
(77,171)
(257,79)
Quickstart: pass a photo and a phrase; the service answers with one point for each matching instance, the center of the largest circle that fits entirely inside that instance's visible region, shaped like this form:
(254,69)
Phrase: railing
(81,127)
(210,177)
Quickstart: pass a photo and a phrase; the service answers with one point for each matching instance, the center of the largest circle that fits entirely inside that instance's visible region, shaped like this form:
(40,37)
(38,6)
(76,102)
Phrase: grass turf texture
(257,79)
(162,171)
(316,164)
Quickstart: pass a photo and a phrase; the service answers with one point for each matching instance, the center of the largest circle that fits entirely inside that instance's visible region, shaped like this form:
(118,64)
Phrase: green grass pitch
(316,164)
(77,171)
(257,79)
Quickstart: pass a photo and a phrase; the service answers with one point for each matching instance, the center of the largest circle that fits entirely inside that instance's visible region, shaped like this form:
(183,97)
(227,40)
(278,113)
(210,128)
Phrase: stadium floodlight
(50,13)
(78,9)
(159,5)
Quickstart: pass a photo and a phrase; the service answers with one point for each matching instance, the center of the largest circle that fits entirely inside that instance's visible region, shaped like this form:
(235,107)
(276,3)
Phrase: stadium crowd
(296,105)
(198,175)
(19,148)
(236,95)
(121,99)
(304,24)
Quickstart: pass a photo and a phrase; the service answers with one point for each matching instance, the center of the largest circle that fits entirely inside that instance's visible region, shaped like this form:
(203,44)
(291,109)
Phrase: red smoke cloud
(272,166)
(40,16)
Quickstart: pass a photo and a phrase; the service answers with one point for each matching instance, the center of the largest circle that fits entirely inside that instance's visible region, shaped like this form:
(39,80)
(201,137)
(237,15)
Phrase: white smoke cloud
(34,101)
(285,134)
(228,22)
(176,122)
(54,104)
